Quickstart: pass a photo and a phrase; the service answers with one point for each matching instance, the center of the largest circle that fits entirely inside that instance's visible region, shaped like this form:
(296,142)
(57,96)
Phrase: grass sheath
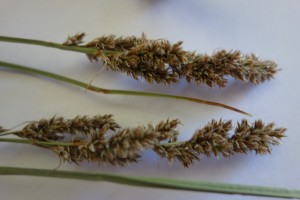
(26,69)
(155,182)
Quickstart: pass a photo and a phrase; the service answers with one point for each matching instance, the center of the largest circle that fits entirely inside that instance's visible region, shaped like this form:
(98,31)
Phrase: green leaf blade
(166,183)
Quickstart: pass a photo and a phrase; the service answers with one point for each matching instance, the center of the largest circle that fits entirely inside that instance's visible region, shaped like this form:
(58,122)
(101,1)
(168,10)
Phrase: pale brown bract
(100,139)
(161,61)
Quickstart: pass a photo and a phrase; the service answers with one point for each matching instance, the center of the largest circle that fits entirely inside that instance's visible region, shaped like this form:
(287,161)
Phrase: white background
(270,29)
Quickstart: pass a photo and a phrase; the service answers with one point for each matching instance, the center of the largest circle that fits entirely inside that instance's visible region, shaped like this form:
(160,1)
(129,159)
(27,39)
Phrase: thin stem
(108,91)
(55,45)
(49,75)
(154,182)
(9,133)
(43,143)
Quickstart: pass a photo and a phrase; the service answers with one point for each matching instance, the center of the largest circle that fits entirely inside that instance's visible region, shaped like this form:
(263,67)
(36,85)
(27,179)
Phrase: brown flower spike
(100,139)
(161,61)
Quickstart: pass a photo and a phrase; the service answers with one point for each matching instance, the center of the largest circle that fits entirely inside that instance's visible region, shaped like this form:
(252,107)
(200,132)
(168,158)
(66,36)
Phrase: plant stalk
(155,182)
(111,91)
(56,45)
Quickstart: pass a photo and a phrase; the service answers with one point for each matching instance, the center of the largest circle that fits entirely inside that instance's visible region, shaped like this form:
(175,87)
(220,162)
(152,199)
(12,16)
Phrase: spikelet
(214,139)
(54,128)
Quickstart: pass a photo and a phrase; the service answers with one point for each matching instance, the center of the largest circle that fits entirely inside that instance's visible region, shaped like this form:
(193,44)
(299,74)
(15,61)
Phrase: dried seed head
(163,62)
(100,139)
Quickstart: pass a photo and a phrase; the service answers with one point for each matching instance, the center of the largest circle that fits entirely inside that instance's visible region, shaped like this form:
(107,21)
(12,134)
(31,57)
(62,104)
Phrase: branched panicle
(161,61)
(100,139)
(123,147)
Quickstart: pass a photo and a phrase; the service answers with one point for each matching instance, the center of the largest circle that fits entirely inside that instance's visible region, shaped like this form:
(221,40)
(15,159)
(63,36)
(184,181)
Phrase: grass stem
(112,91)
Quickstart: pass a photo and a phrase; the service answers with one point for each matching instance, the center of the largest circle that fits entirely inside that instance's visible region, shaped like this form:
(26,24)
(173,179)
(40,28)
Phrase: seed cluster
(100,139)
(161,61)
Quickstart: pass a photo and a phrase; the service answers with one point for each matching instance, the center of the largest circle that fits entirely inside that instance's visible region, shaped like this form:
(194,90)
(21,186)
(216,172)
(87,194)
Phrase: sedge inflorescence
(161,61)
(100,139)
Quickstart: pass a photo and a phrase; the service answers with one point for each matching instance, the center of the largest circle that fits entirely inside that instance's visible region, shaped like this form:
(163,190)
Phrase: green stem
(55,45)
(157,182)
(9,133)
(43,143)
(108,91)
